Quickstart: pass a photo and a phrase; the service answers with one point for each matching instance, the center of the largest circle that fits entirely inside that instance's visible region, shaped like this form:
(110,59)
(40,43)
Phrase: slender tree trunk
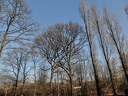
(111,79)
(96,79)
(16,85)
(23,86)
(71,78)
(51,84)
(22,90)
(71,86)
(35,79)
(58,82)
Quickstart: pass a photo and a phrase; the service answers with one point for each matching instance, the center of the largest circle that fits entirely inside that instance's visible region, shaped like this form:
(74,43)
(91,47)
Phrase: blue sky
(49,12)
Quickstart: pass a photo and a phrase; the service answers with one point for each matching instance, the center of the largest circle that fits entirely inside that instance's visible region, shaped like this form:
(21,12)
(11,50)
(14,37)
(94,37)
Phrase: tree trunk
(35,88)
(51,85)
(71,87)
(16,85)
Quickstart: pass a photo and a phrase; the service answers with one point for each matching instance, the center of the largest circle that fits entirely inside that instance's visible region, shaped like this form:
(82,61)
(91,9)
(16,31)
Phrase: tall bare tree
(25,66)
(115,32)
(16,25)
(34,56)
(48,47)
(17,60)
(102,37)
(71,41)
(86,15)
(59,44)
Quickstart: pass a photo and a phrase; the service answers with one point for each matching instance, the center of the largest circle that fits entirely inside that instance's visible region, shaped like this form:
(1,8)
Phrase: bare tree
(35,60)
(86,14)
(115,32)
(48,48)
(25,66)
(15,64)
(42,80)
(59,44)
(16,25)
(71,41)
(102,41)
(17,61)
